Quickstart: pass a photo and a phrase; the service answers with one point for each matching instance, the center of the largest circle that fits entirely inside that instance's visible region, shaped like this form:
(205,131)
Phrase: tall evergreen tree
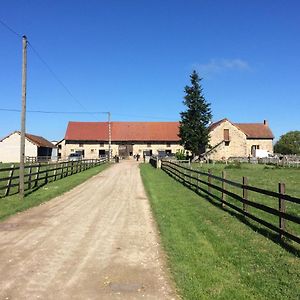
(193,129)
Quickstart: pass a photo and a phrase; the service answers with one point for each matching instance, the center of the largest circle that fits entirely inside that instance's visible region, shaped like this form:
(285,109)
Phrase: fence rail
(39,174)
(202,181)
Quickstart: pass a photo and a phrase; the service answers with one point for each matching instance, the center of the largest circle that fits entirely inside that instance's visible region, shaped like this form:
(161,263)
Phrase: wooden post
(11,174)
(245,194)
(62,170)
(29,177)
(224,188)
(46,177)
(67,174)
(23,118)
(72,167)
(197,182)
(37,175)
(209,181)
(281,206)
(55,171)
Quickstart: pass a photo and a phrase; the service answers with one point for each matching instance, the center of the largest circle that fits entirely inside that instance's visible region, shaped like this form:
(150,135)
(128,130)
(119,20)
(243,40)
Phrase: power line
(46,65)
(10,29)
(82,113)
(56,77)
(54,112)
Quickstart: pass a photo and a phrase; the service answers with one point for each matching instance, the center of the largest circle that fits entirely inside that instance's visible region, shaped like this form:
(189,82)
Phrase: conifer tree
(193,129)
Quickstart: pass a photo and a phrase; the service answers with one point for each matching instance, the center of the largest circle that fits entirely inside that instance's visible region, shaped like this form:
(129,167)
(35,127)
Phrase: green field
(211,253)
(12,204)
(261,176)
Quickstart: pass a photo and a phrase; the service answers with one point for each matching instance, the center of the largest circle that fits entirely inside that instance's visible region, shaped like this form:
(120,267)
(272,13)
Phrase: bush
(235,165)
(180,155)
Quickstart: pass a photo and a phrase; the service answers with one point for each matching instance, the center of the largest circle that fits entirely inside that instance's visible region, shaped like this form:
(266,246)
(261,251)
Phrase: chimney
(266,123)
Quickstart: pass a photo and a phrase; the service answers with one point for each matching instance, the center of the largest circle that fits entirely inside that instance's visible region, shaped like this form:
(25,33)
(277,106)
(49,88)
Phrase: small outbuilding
(36,147)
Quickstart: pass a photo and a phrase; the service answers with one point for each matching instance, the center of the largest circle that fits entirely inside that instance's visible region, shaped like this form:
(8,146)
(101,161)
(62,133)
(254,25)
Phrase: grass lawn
(12,204)
(262,176)
(213,255)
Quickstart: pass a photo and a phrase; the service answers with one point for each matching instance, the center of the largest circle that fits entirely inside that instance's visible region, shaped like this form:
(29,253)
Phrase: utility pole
(23,118)
(109,137)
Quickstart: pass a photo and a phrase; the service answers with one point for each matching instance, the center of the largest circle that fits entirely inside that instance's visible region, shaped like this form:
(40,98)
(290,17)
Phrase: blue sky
(134,58)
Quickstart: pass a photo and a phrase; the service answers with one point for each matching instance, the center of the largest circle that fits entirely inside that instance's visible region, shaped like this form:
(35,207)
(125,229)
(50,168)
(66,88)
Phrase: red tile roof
(39,141)
(251,130)
(255,130)
(35,139)
(123,131)
(148,131)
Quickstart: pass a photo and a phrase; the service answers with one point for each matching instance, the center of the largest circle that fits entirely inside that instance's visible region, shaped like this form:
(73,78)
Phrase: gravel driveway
(97,241)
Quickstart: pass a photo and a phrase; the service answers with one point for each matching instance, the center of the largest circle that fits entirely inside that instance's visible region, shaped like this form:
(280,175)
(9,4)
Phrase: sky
(134,58)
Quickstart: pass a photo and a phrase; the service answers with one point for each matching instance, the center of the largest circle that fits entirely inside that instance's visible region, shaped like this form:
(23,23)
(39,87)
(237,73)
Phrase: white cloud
(219,65)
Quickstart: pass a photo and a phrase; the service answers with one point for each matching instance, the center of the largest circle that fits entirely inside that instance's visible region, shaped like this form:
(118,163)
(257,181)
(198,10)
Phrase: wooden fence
(201,181)
(39,174)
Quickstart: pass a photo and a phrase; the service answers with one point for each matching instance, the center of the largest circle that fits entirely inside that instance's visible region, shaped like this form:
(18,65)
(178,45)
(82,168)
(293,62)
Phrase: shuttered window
(226,135)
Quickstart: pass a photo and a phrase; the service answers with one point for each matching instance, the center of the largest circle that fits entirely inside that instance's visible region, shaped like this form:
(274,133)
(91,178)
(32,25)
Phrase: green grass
(265,177)
(213,255)
(12,204)
(262,176)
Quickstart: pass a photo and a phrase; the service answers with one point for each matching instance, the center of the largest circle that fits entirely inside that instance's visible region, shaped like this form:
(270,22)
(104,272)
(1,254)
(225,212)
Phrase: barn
(36,147)
(227,139)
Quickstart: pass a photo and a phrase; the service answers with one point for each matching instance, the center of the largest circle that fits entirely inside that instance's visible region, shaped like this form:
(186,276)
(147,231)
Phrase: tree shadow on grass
(217,202)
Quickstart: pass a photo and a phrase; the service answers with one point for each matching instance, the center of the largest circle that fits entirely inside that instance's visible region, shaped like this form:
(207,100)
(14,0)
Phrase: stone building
(227,139)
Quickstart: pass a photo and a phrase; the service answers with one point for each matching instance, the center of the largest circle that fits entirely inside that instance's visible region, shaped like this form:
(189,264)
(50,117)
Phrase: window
(148,145)
(227,143)
(92,150)
(226,135)
(59,147)
(80,145)
(72,150)
(168,145)
(101,145)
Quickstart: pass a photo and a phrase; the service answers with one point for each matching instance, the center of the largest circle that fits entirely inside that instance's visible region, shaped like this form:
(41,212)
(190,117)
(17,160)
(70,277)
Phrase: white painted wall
(10,148)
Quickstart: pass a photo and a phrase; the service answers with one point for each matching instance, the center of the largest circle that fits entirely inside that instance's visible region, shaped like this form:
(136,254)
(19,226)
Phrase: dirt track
(97,241)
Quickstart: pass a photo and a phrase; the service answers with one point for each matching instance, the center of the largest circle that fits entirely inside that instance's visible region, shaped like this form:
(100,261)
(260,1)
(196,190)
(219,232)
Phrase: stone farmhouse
(35,146)
(227,139)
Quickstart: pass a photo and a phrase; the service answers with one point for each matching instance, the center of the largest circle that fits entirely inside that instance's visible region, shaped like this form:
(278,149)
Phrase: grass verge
(211,254)
(12,204)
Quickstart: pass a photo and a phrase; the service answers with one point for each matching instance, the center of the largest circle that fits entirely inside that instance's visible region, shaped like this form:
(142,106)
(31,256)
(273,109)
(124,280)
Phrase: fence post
(29,177)
(209,180)
(72,167)
(46,177)
(67,174)
(197,182)
(37,175)
(11,173)
(62,170)
(223,188)
(245,194)
(281,205)
(55,171)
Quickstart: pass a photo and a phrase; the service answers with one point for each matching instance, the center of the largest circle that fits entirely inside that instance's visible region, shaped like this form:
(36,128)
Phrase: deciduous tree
(288,143)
